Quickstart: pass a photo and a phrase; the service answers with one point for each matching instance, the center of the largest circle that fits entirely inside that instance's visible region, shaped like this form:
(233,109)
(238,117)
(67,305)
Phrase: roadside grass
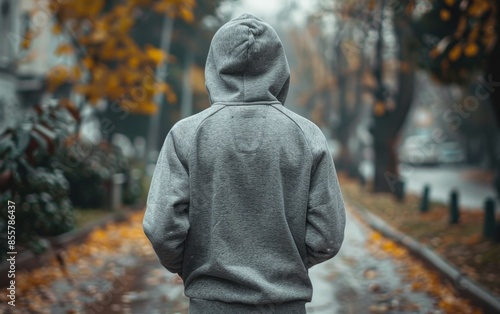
(462,244)
(85,216)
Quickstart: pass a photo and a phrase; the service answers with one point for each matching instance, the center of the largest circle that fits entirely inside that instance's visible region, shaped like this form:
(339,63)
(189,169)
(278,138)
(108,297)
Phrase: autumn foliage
(69,283)
(110,64)
(458,36)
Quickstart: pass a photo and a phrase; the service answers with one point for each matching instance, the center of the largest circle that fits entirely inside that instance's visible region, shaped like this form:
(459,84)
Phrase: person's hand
(178,280)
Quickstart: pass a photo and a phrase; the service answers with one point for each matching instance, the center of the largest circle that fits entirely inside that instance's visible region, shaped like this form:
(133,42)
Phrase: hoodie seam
(196,132)
(183,163)
(309,148)
(248,103)
(246,65)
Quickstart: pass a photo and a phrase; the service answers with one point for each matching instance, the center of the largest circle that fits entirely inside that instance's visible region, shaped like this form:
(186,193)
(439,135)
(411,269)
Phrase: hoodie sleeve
(166,222)
(326,212)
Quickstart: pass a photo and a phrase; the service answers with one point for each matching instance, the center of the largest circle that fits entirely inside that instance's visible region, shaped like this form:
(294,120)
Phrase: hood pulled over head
(246,63)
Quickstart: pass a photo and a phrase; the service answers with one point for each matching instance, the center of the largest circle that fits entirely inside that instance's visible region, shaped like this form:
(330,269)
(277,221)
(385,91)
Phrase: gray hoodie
(245,197)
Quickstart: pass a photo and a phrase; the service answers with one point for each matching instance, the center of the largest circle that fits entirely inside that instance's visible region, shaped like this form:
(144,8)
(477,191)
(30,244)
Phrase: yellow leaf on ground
(376,236)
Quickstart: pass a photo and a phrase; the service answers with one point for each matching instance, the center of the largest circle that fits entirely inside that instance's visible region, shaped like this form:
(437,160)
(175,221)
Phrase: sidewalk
(362,279)
(116,271)
(353,282)
(445,272)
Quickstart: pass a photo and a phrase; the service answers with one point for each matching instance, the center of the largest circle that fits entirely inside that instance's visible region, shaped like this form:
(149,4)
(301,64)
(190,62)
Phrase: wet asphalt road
(442,179)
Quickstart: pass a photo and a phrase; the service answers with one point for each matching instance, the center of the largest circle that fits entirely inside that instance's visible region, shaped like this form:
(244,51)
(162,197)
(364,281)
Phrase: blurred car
(419,150)
(451,152)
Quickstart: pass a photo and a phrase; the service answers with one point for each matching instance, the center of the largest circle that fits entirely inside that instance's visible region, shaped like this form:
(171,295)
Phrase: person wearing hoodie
(245,198)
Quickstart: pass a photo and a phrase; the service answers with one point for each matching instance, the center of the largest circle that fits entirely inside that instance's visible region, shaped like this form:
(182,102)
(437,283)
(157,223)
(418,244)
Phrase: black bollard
(454,210)
(424,202)
(353,170)
(399,190)
(362,179)
(489,219)
(497,232)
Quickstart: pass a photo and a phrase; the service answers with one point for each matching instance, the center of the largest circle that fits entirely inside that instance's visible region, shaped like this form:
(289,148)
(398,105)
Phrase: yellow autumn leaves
(379,108)
(475,28)
(61,74)
(476,9)
(445,15)
(84,263)
(421,278)
(110,64)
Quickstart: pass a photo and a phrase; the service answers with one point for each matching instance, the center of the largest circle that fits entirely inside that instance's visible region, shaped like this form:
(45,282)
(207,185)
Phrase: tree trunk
(348,112)
(342,132)
(355,153)
(493,77)
(380,143)
(386,127)
(493,71)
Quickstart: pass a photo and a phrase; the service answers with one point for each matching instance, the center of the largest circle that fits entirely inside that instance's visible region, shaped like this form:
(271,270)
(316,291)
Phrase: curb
(27,261)
(463,284)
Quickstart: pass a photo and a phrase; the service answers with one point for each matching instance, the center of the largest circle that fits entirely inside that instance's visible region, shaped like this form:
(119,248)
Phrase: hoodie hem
(201,306)
(246,103)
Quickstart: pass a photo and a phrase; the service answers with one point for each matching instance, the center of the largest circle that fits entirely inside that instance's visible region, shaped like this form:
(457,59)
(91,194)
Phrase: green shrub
(89,169)
(30,176)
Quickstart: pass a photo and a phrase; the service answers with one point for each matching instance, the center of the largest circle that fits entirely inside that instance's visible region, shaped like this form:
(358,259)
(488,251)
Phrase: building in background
(24,68)
(9,27)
